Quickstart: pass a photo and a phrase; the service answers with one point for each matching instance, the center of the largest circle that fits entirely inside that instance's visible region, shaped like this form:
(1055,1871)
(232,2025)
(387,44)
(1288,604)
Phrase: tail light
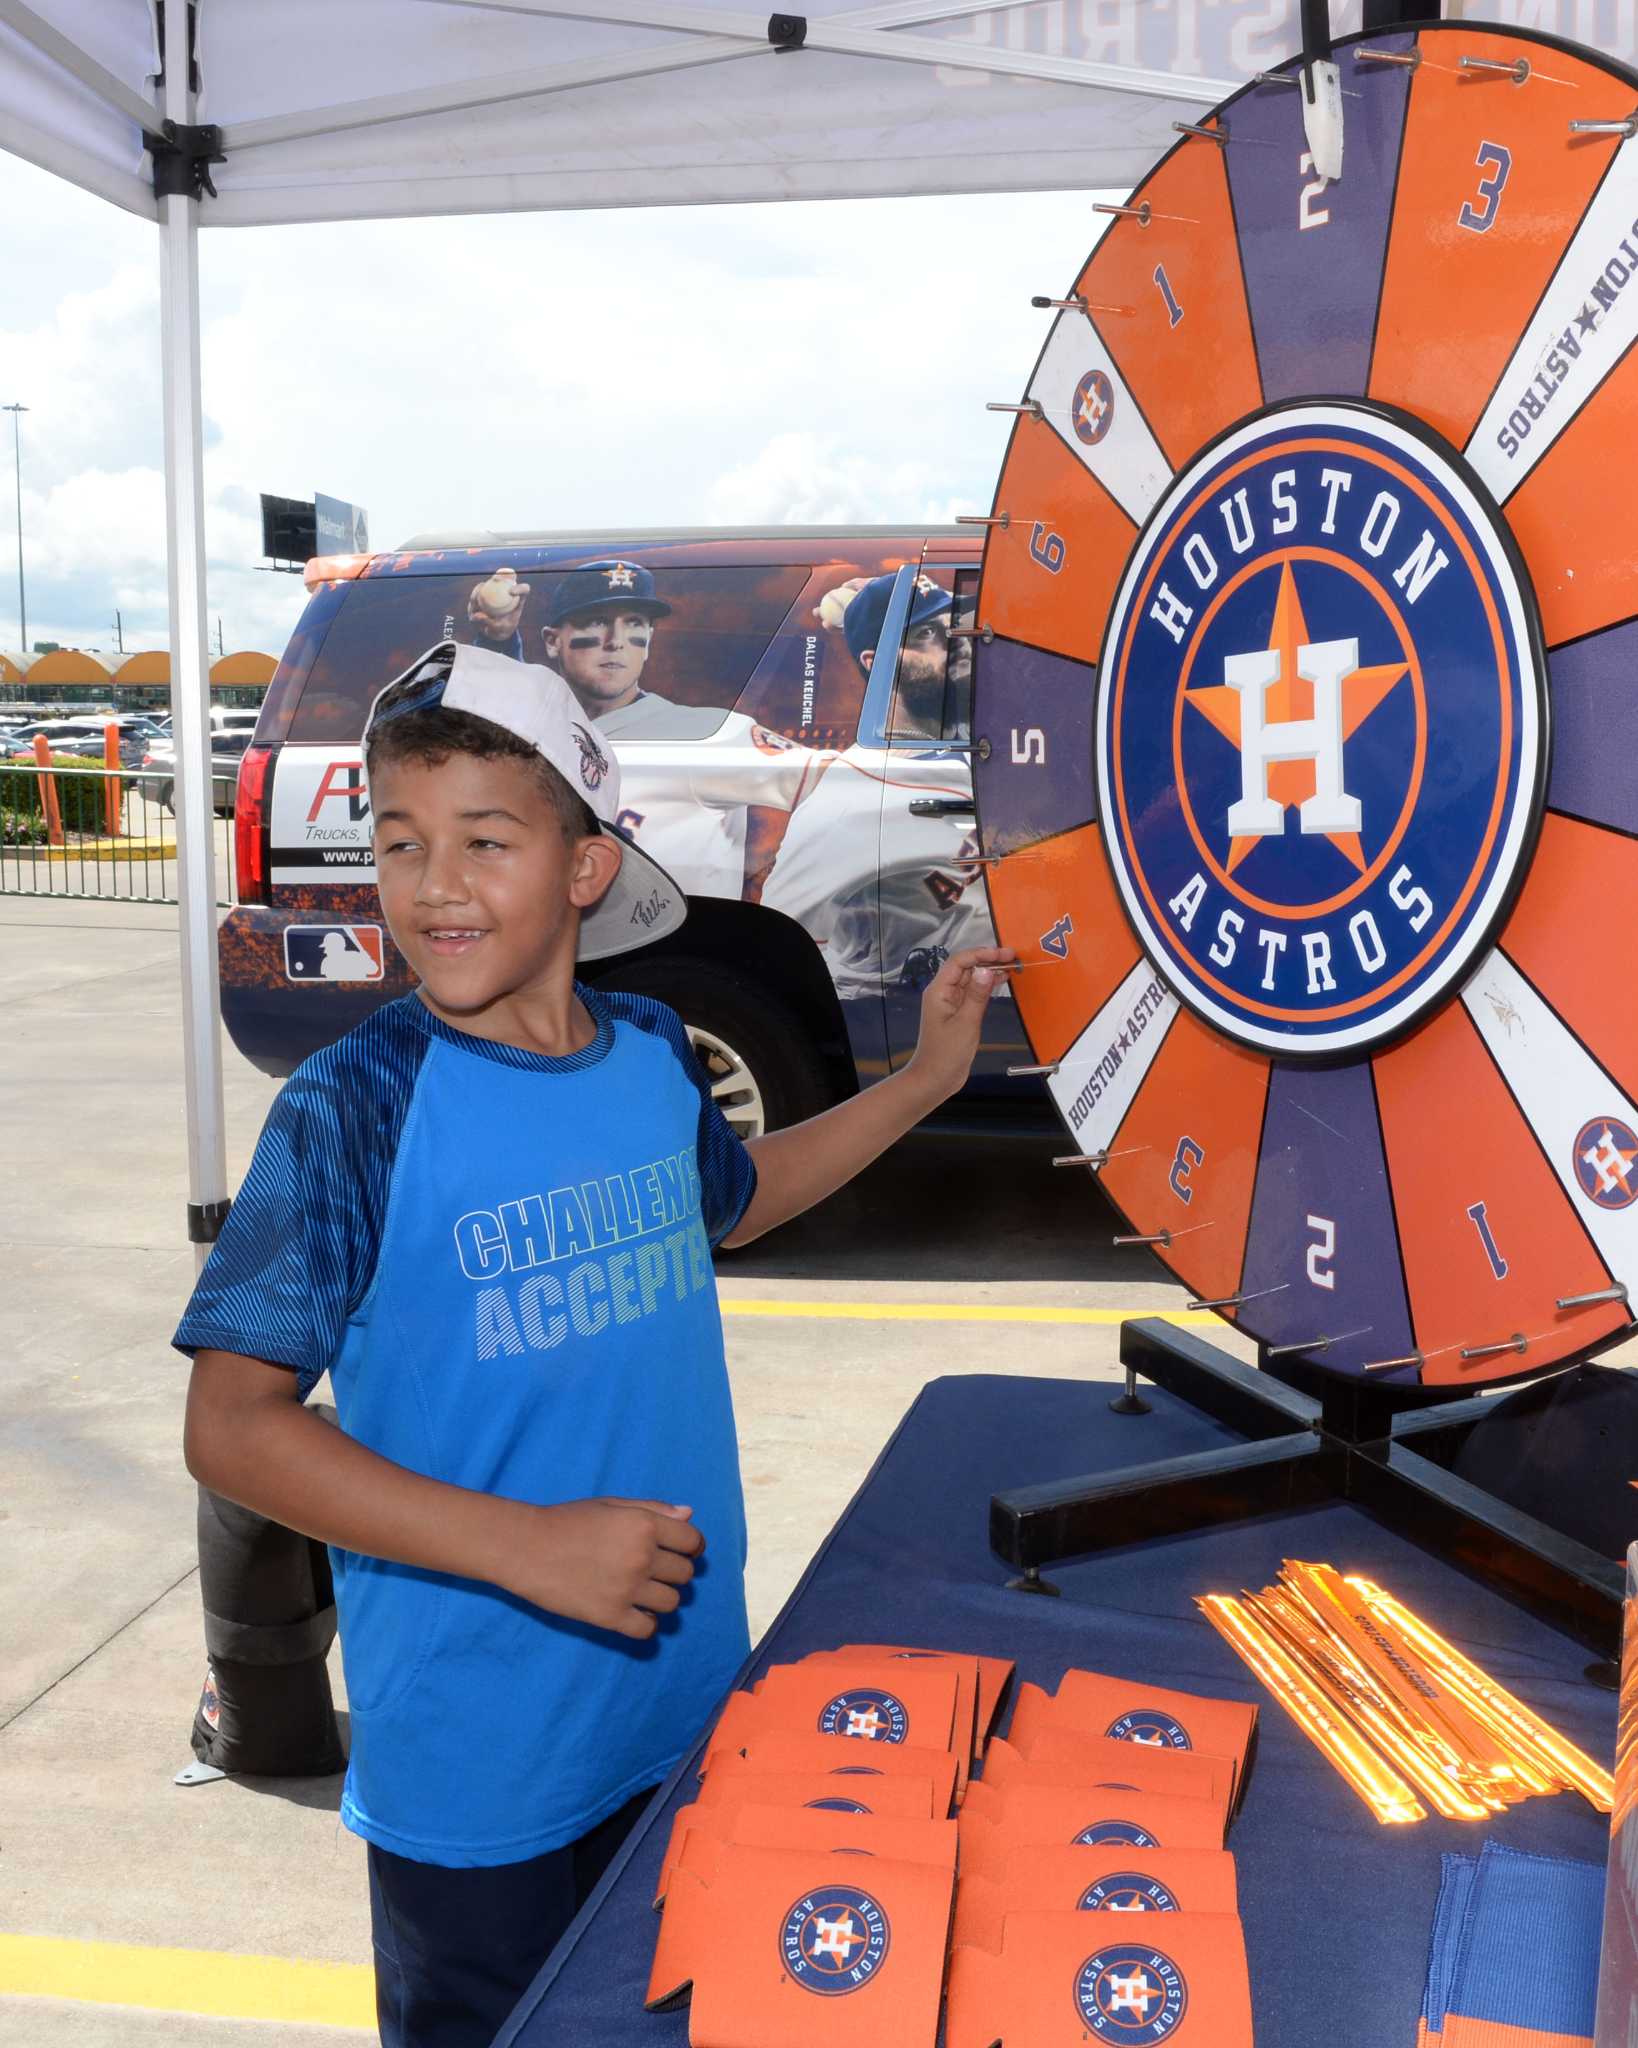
(250,822)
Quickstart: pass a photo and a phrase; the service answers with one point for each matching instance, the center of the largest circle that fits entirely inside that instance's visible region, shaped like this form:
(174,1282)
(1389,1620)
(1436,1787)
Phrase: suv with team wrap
(791,719)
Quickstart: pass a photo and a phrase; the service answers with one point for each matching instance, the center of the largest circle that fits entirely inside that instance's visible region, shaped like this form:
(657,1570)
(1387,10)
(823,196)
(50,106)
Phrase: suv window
(696,654)
(933,689)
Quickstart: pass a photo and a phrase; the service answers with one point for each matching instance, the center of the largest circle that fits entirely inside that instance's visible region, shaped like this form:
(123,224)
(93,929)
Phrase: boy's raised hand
(952,1016)
(617,1564)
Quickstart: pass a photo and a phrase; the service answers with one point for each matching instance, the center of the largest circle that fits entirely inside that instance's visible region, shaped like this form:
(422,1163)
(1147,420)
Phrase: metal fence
(86,831)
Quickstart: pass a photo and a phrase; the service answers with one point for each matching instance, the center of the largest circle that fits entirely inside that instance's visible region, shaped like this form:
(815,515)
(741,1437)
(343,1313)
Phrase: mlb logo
(333,952)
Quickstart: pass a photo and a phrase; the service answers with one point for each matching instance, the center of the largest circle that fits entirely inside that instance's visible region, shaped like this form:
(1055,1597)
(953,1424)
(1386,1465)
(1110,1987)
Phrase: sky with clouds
(811,363)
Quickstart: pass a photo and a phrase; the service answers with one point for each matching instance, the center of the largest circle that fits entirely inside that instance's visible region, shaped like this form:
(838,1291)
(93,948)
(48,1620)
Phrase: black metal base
(1313,1437)
(1131,1402)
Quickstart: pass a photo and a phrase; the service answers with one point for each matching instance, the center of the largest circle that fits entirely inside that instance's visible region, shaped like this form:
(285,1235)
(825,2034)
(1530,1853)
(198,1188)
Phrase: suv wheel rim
(733,1086)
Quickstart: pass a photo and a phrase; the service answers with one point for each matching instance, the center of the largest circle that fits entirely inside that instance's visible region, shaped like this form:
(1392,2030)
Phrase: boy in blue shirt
(488,1213)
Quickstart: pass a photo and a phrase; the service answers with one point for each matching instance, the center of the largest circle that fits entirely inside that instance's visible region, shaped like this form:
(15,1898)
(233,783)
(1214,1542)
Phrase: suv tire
(765,1069)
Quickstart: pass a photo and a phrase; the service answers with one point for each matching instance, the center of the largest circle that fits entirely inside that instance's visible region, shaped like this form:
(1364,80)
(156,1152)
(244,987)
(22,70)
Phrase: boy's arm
(614,1563)
(800,1166)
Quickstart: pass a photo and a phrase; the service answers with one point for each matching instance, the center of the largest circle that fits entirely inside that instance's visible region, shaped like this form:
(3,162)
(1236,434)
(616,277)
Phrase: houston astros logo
(1321,728)
(594,763)
(1130,1994)
(1125,1832)
(1606,1162)
(834,1940)
(1092,410)
(1154,1730)
(869,1716)
(1128,1891)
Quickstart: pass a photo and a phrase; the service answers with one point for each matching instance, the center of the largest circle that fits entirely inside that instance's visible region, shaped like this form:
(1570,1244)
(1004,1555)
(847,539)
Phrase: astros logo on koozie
(866,1714)
(1321,728)
(1127,1891)
(834,1940)
(1131,1993)
(1154,1731)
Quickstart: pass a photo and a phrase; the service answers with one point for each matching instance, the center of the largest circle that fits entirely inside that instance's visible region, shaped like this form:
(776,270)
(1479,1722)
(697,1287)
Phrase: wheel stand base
(1312,1438)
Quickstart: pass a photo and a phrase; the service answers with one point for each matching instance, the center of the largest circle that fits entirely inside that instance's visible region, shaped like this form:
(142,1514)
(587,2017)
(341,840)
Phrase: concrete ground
(132,1912)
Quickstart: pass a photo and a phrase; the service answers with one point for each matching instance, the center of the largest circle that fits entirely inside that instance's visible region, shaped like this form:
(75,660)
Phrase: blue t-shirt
(504,1262)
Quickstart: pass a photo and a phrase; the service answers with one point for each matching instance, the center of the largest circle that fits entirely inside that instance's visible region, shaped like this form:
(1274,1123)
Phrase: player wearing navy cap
(597,635)
(891,920)
(929,670)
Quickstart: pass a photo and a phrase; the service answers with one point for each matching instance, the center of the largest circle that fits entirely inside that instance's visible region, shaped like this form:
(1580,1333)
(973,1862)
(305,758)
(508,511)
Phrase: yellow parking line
(954,1312)
(188,1980)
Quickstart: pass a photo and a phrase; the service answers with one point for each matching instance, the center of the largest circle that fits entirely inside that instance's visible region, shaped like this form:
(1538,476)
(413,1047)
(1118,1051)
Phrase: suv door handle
(941,806)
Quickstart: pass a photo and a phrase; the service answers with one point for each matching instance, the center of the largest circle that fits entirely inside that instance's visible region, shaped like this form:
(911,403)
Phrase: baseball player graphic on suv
(792,722)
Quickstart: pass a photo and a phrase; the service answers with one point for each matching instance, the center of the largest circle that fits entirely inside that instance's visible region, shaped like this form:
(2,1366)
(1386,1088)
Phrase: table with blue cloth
(1337,1908)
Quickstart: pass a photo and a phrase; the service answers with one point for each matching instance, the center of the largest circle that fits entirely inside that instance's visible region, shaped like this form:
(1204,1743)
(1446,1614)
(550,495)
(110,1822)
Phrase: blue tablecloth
(1337,1909)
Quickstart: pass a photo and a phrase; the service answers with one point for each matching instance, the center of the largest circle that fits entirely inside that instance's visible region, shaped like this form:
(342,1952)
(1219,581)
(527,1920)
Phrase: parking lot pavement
(120,1895)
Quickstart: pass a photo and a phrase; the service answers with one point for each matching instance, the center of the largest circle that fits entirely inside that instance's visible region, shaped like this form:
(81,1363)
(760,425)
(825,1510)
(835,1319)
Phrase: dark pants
(456,1949)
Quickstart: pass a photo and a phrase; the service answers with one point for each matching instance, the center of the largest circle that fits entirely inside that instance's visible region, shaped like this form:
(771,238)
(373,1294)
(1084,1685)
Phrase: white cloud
(812,480)
(810,363)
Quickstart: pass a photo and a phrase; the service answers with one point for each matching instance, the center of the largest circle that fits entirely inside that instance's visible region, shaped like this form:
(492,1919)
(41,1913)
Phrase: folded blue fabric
(1514,1956)
(1456,1874)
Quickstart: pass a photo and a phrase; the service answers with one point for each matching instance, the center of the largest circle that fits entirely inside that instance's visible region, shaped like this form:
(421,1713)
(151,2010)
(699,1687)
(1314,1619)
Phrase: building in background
(82,679)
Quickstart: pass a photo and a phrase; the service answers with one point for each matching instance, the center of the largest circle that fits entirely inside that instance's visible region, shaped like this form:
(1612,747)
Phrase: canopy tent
(247,112)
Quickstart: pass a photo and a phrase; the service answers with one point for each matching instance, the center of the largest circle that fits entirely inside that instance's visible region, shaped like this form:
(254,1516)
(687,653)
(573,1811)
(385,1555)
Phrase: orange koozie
(1125,1710)
(964,1718)
(805,1949)
(1062,1978)
(1088,1760)
(993,1674)
(1028,1816)
(983,1678)
(1074,1880)
(834,1756)
(868,1699)
(801,1827)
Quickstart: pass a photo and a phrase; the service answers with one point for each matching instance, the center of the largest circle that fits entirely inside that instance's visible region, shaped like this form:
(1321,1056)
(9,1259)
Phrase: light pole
(17,460)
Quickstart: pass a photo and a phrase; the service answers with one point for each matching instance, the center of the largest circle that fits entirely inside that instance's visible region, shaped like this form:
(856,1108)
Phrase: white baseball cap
(537,706)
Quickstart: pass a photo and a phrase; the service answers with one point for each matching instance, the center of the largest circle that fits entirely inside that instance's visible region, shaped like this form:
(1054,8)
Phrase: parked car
(792,725)
(227,752)
(83,737)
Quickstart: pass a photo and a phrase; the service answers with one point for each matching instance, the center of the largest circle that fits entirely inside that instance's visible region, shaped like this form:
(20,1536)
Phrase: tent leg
(190,675)
(282,1721)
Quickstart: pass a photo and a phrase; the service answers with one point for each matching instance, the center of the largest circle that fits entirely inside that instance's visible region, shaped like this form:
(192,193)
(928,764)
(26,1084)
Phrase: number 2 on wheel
(1308,214)
(1321,1251)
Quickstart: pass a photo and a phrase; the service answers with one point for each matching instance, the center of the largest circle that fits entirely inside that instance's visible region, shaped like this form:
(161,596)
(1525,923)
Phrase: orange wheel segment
(1184,1160)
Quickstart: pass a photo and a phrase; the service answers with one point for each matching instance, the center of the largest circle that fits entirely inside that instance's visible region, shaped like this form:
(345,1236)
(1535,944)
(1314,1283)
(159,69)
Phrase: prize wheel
(1306,711)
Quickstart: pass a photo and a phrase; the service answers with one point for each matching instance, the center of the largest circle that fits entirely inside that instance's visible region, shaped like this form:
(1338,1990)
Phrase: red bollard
(48,790)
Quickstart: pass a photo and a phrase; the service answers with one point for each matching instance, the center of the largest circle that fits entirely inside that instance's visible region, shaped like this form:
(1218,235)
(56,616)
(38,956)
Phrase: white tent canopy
(349,109)
(336,109)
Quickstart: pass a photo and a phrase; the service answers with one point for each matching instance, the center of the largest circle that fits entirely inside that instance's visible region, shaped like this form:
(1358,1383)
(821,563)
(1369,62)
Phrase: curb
(96,849)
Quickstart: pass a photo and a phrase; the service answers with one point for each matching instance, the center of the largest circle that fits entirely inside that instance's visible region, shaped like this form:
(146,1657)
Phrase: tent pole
(190,669)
